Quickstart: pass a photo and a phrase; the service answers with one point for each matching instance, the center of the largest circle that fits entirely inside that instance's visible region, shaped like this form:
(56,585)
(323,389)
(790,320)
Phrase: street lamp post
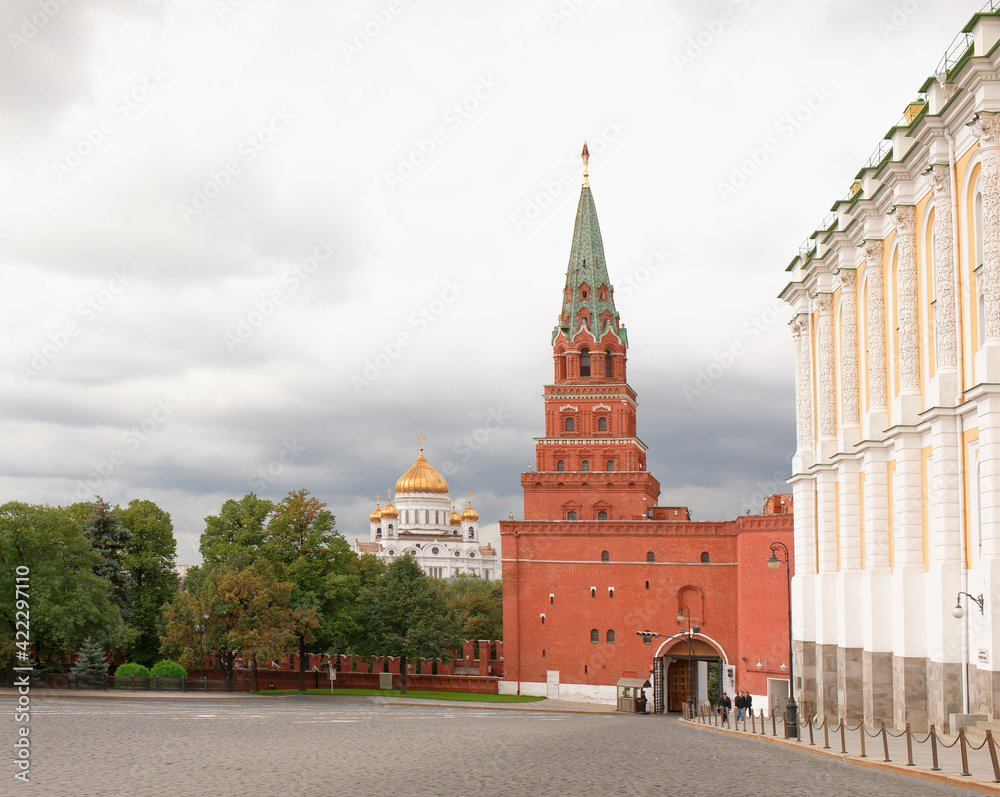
(200,628)
(791,708)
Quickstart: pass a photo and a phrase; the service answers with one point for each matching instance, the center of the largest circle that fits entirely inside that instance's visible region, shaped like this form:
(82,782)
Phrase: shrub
(166,668)
(131,668)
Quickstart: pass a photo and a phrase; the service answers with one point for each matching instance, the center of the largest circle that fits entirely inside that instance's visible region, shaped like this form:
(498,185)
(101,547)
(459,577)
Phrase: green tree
(302,541)
(110,537)
(240,524)
(479,606)
(406,614)
(68,601)
(149,557)
(245,610)
(92,662)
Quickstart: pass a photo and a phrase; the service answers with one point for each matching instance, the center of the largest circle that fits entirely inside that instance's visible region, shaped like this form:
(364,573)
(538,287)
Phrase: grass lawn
(433,695)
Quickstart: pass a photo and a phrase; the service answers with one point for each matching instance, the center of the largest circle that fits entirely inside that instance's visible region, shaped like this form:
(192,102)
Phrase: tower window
(583,293)
(570,425)
(584,362)
(472,533)
(560,465)
(585,465)
(571,515)
(595,635)
(605,556)
(607,363)
(602,424)
(610,465)
(602,515)
(704,557)
(390,528)
(611,637)
(378,534)
(650,557)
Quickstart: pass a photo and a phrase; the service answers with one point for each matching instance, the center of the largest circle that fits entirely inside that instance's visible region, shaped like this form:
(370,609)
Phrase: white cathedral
(425,524)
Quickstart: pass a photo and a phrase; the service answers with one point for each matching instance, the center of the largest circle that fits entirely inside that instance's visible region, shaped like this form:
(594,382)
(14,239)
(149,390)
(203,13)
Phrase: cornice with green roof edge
(951,74)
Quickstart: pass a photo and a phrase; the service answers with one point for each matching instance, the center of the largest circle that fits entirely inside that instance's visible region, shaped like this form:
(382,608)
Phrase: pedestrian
(741,704)
(748,700)
(726,705)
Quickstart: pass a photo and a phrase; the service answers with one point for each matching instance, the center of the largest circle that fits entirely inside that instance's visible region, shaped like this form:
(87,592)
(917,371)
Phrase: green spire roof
(587,272)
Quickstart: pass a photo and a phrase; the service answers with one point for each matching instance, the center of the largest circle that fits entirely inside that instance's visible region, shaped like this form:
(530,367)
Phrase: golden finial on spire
(470,497)
(420,437)
(378,499)
(586,159)
(388,496)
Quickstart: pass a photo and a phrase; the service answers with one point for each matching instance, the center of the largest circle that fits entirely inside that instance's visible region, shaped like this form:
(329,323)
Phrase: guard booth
(630,696)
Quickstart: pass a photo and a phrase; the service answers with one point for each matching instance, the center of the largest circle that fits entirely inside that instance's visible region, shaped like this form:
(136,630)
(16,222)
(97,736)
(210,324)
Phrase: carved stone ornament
(987,127)
(849,343)
(907,307)
(877,392)
(939,177)
(827,365)
(803,382)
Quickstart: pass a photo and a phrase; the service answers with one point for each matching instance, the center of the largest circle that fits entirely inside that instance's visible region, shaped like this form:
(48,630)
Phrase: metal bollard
(885,743)
(965,752)
(811,732)
(826,734)
(843,740)
(774,730)
(993,755)
(909,746)
(861,729)
(753,722)
(934,756)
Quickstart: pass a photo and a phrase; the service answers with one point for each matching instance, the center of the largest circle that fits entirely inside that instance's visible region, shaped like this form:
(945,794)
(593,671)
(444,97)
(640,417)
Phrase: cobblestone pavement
(314,745)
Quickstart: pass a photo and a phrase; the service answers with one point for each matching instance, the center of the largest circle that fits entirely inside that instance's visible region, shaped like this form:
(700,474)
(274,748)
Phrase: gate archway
(677,672)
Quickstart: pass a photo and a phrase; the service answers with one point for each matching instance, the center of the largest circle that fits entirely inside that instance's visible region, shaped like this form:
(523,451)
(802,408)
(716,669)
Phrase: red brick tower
(590,465)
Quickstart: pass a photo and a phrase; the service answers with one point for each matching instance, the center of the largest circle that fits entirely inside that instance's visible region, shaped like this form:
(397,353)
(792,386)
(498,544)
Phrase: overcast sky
(262,245)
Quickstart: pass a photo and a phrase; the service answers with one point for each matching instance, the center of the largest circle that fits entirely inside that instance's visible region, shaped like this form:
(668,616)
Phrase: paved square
(359,746)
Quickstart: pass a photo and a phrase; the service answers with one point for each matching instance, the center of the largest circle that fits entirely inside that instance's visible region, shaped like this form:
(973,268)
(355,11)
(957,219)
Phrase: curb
(105,694)
(888,766)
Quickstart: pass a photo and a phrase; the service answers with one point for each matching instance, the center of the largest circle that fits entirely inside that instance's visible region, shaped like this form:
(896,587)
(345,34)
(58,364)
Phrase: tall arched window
(571,515)
(602,515)
(607,363)
(595,635)
(605,556)
(650,557)
(610,466)
(378,534)
(602,424)
(611,637)
(704,557)
(561,465)
(585,465)
(570,425)
(390,529)
(584,362)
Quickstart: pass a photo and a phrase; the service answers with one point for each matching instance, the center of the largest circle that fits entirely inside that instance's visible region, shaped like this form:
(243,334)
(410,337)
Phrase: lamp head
(774,561)
(958,611)
(680,617)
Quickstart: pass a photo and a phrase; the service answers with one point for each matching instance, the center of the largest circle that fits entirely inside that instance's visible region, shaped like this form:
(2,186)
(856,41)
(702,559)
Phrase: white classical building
(424,524)
(896,301)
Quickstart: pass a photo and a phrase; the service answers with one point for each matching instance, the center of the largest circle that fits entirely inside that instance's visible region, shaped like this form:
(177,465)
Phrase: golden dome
(454,520)
(376,516)
(421,478)
(469,513)
(389,511)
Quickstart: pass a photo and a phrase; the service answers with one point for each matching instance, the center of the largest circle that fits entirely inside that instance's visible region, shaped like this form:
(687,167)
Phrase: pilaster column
(987,127)
(946,350)
(827,378)
(851,432)
(907,312)
(878,401)
(805,442)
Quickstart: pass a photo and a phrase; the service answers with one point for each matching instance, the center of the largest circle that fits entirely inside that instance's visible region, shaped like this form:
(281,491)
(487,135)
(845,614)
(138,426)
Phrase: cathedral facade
(596,560)
(896,302)
(425,524)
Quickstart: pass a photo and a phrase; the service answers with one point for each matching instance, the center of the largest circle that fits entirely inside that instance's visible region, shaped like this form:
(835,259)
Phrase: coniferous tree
(91,662)
(109,537)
